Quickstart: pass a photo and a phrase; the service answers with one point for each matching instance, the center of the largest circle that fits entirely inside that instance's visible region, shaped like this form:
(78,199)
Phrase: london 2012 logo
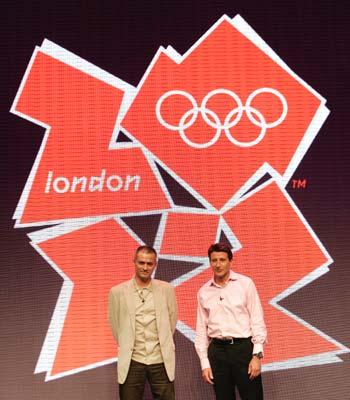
(200,151)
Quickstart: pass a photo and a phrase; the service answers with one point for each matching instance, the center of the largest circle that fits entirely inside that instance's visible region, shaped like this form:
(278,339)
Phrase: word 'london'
(113,183)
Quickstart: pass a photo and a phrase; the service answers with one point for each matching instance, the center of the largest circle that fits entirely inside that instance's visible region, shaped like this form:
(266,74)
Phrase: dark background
(122,37)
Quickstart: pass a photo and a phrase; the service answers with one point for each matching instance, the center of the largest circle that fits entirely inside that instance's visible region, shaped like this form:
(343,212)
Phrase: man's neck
(222,281)
(142,284)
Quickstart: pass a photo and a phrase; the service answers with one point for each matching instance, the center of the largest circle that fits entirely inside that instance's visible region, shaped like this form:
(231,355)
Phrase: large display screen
(220,130)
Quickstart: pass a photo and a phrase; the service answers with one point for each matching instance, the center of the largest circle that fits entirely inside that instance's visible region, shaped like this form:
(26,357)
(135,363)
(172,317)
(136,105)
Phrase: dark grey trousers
(132,389)
(229,364)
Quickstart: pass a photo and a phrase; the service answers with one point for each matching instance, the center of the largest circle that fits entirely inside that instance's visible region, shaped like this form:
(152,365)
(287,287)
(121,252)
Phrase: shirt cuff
(257,348)
(205,363)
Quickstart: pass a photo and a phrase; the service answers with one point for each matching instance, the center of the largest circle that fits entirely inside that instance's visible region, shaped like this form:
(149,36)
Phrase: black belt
(229,341)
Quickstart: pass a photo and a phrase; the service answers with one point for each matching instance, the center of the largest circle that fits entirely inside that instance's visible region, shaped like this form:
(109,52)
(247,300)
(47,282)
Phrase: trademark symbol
(299,183)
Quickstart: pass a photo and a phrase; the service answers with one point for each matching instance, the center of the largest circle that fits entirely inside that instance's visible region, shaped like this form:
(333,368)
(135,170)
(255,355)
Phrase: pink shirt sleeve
(202,341)
(256,318)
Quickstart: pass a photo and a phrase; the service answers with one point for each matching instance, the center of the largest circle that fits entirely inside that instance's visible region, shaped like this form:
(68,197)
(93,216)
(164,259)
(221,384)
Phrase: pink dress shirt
(233,310)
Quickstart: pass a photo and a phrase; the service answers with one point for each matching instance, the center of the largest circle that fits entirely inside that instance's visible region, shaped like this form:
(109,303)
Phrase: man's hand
(254,368)
(207,375)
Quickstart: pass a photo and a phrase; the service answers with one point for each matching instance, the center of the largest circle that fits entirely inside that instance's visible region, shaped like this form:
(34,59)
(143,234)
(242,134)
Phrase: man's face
(144,265)
(220,265)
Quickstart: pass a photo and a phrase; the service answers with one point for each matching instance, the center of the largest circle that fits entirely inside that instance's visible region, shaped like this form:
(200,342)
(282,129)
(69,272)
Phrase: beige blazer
(121,310)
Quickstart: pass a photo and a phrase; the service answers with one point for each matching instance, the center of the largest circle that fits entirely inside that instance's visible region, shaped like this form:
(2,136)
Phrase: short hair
(146,249)
(220,247)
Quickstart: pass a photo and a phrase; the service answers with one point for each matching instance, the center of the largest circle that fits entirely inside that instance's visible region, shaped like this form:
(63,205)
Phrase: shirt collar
(233,277)
(136,287)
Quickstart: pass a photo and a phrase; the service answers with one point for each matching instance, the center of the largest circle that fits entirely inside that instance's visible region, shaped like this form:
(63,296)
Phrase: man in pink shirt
(230,331)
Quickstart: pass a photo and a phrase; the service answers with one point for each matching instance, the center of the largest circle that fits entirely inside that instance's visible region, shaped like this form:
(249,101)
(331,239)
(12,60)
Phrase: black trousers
(229,364)
(132,389)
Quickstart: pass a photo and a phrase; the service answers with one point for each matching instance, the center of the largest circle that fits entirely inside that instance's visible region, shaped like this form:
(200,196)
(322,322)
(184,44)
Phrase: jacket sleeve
(113,312)
(172,307)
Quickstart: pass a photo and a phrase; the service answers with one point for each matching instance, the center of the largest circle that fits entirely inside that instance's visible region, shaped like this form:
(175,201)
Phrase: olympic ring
(253,114)
(253,142)
(174,93)
(229,93)
(276,93)
(199,145)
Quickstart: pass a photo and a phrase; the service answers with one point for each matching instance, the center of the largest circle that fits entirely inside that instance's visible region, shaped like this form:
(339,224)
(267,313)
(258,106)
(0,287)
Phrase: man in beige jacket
(143,315)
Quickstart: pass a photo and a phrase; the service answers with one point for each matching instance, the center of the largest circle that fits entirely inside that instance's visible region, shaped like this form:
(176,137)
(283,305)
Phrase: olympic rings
(253,114)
